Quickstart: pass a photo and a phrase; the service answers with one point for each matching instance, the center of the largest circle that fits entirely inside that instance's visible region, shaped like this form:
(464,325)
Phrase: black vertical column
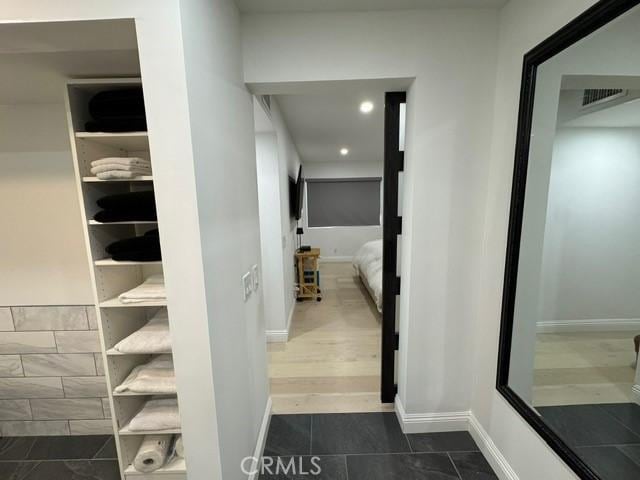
(392,227)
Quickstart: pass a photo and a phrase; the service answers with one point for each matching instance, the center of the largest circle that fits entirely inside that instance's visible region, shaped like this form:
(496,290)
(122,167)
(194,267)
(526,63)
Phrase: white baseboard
(635,392)
(277,336)
(324,259)
(262,440)
(431,422)
(490,451)
(590,325)
(281,336)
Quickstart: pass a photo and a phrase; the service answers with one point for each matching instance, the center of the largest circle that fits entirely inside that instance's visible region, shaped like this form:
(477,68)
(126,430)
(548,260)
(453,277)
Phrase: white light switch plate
(255,278)
(246,285)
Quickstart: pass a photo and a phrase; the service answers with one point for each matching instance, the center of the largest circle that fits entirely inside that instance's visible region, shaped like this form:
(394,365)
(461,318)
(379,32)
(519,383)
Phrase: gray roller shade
(343,202)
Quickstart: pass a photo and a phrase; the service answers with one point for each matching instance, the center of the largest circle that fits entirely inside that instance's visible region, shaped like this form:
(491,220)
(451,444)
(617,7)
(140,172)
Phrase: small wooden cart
(308,274)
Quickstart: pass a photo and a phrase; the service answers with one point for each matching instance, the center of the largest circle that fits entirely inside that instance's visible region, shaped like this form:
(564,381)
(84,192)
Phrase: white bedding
(368,264)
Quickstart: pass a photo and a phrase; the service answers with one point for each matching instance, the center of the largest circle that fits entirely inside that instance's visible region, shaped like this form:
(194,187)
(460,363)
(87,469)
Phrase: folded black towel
(144,248)
(118,104)
(117,125)
(134,215)
(127,207)
(122,202)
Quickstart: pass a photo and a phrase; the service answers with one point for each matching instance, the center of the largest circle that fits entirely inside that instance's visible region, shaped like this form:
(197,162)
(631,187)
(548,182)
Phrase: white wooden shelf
(138,394)
(110,262)
(115,353)
(109,275)
(141,178)
(177,465)
(132,222)
(130,141)
(115,303)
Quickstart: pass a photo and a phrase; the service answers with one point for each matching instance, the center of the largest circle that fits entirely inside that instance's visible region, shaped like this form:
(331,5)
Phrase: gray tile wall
(51,373)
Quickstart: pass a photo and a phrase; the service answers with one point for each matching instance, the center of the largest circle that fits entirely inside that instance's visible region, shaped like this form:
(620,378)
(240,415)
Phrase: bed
(368,265)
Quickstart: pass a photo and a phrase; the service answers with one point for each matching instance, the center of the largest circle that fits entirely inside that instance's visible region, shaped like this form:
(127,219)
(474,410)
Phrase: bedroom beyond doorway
(330,155)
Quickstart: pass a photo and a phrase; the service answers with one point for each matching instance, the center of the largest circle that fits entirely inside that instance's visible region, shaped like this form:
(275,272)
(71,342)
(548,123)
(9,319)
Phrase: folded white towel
(158,413)
(152,453)
(153,337)
(140,169)
(117,174)
(156,376)
(151,289)
(131,161)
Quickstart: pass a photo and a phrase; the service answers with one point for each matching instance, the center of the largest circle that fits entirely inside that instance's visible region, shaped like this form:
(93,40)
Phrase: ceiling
(282,6)
(329,118)
(622,115)
(36,59)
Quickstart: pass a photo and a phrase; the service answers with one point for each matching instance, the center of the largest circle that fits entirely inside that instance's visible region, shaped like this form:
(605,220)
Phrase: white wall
(592,241)
(451,54)
(273,277)
(289,161)
(42,256)
(340,243)
(523,24)
(201,140)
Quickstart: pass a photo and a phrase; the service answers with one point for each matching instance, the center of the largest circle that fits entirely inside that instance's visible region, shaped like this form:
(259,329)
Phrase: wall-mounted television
(296,194)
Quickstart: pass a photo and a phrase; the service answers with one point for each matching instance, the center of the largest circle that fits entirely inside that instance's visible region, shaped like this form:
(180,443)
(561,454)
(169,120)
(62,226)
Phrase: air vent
(598,96)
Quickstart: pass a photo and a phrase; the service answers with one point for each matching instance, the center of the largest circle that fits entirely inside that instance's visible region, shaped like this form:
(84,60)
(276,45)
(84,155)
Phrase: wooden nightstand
(308,274)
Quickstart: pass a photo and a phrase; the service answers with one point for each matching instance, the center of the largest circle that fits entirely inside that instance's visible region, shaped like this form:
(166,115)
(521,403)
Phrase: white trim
(490,451)
(591,325)
(348,258)
(635,392)
(281,336)
(262,440)
(431,422)
(277,336)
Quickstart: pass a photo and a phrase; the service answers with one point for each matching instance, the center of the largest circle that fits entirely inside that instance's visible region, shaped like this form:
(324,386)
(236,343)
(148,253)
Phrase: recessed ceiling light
(344,151)
(366,107)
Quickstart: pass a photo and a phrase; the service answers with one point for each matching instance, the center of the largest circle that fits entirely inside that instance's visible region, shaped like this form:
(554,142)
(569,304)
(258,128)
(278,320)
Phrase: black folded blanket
(127,207)
(119,110)
(117,125)
(144,248)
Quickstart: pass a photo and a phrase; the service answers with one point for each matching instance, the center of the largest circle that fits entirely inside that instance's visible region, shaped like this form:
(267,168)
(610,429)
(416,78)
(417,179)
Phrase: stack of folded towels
(152,289)
(120,167)
(152,338)
(154,377)
(126,207)
(143,248)
(158,413)
(118,110)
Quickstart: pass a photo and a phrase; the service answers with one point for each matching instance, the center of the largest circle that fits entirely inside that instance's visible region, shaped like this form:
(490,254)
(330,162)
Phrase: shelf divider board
(110,278)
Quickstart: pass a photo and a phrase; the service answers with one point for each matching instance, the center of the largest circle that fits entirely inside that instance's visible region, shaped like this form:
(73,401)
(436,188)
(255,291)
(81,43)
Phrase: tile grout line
(346,467)
(454,464)
(101,448)
(311,434)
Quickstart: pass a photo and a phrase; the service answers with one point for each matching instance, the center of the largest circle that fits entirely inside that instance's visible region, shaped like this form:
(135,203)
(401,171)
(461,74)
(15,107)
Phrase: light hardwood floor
(583,368)
(331,362)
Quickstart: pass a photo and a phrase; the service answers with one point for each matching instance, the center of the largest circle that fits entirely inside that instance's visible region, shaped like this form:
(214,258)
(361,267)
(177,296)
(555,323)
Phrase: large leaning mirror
(571,308)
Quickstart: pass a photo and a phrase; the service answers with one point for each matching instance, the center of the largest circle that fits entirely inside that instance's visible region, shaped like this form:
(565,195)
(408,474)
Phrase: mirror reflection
(576,327)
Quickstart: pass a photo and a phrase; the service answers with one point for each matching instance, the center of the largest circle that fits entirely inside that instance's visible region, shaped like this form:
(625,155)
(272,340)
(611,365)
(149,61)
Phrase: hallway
(370,446)
(331,362)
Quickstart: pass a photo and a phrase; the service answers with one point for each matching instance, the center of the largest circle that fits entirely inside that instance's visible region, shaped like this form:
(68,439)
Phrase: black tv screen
(296,194)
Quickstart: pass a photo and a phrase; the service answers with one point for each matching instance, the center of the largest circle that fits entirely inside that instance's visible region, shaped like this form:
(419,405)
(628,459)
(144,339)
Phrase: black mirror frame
(588,22)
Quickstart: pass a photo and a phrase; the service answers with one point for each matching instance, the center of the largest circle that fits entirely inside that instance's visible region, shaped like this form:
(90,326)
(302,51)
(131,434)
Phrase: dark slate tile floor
(606,437)
(91,457)
(367,446)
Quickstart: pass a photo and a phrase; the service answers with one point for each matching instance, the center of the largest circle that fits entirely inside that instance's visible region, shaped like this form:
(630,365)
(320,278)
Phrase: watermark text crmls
(296,465)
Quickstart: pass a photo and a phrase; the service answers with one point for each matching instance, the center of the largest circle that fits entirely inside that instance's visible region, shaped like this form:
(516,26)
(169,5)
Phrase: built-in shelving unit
(111,278)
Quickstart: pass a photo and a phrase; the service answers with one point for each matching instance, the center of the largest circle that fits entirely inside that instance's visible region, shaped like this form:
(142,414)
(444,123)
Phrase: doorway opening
(329,163)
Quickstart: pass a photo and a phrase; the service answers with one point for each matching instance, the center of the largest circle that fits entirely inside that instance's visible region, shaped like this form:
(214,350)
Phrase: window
(343,202)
